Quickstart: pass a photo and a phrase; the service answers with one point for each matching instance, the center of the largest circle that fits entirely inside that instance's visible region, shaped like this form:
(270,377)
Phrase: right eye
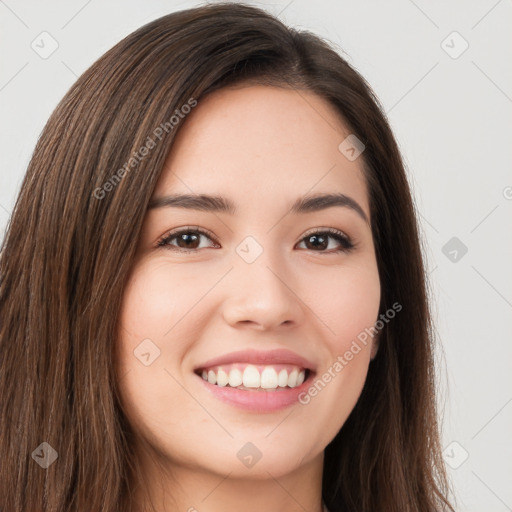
(187,239)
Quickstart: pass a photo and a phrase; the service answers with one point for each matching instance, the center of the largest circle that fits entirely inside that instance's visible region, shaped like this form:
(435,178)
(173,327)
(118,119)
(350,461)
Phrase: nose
(263,295)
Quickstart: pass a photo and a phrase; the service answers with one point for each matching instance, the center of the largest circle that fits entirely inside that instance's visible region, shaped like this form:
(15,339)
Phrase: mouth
(251,377)
(257,381)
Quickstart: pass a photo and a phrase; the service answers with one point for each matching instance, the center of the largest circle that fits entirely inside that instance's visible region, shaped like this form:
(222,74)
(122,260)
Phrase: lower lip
(258,401)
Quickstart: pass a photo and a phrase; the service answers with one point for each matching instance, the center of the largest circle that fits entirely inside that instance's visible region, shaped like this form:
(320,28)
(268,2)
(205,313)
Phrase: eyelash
(344,240)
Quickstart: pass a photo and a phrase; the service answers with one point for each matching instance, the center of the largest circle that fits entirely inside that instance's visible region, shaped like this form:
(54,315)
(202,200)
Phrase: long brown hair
(71,240)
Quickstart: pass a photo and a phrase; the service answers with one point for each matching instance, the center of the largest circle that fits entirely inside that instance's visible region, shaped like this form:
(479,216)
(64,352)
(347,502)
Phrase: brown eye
(187,240)
(319,241)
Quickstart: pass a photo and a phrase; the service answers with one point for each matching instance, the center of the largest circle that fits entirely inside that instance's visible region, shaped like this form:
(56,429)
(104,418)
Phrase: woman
(212,288)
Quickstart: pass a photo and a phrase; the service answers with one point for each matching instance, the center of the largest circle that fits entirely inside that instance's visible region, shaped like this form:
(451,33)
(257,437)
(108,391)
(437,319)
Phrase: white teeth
(283,378)
(235,378)
(269,379)
(292,378)
(251,378)
(222,378)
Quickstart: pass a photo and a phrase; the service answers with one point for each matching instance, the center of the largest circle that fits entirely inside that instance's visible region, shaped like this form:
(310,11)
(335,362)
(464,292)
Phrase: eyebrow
(208,203)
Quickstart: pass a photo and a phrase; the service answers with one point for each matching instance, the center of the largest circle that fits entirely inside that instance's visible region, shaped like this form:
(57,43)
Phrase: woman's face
(265,298)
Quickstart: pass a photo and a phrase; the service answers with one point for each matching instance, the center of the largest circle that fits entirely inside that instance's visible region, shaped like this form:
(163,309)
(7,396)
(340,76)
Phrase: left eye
(188,240)
(321,239)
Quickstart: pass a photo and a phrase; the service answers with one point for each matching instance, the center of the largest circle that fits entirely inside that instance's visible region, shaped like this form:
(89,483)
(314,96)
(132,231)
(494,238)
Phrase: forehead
(262,143)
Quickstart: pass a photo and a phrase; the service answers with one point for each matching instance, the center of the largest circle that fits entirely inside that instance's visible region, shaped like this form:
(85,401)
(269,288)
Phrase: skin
(262,147)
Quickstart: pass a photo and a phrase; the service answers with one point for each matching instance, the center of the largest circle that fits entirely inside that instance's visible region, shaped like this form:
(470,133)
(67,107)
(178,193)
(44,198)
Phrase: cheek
(149,305)
(157,303)
(348,302)
(145,358)
(350,309)
(148,310)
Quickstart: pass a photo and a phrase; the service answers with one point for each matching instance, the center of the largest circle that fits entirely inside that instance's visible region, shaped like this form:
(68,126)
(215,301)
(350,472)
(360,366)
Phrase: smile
(257,381)
(250,377)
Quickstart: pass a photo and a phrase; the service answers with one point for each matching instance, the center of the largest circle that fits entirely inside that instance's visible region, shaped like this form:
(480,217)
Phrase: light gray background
(451,114)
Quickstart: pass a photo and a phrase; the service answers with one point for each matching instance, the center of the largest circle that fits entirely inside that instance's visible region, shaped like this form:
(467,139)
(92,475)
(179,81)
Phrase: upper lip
(278,356)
